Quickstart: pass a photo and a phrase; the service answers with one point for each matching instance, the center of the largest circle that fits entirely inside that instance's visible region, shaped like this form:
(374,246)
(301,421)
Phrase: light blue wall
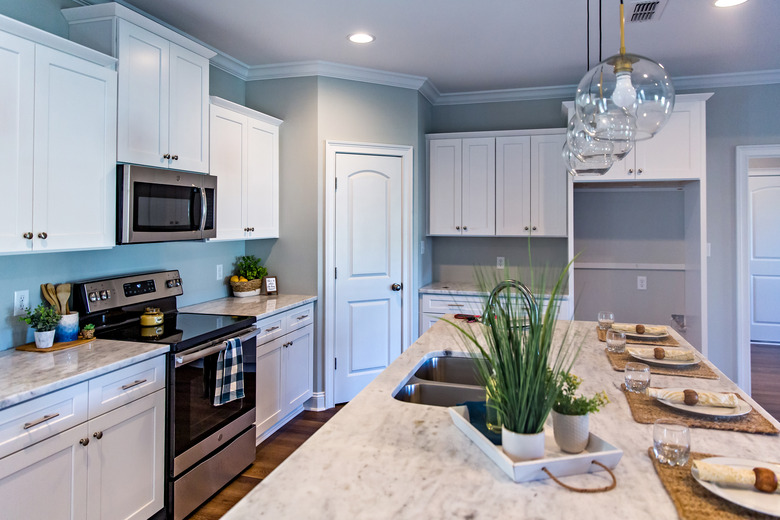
(226,86)
(43,14)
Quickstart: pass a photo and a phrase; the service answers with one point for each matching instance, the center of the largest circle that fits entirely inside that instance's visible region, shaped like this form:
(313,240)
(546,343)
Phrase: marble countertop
(259,306)
(25,375)
(383,458)
(456,289)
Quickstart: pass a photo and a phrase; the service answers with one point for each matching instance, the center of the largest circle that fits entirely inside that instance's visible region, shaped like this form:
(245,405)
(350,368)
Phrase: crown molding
(737,79)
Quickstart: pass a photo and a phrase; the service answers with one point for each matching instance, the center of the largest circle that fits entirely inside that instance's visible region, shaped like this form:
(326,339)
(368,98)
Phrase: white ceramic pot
(522,446)
(44,339)
(68,328)
(571,432)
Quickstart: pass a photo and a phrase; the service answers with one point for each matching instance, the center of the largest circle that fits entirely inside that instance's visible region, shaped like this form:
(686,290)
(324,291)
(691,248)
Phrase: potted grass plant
(523,371)
(43,320)
(571,413)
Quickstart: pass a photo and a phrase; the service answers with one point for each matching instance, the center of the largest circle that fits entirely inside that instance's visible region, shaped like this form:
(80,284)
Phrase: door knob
(397,286)
(42,235)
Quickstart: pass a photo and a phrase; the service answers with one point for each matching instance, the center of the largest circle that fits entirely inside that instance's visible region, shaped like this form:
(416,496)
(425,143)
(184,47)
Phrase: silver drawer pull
(43,419)
(303,317)
(272,329)
(454,305)
(134,383)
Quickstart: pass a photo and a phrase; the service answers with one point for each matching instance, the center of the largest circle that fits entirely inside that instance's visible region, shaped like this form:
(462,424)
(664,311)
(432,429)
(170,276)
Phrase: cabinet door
(48,479)
(297,366)
(143,96)
(75,155)
(269,385)
(262,179)
(444,185)
(228,162)
(478,197)
(189,110)
(513,185)
(17,61)
(548,186)
(676,152)
(126,460)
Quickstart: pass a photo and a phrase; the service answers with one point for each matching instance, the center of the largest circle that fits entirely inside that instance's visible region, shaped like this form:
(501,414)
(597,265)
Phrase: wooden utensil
(53,297)
(63,295)
(46,296)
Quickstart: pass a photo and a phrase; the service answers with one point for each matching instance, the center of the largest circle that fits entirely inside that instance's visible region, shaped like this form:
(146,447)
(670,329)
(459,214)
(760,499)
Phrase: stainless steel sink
(449,369)
(444,380)
(440,394)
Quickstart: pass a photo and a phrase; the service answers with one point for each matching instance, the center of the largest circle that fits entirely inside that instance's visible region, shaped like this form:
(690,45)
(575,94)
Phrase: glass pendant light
(593,166)
(626,97)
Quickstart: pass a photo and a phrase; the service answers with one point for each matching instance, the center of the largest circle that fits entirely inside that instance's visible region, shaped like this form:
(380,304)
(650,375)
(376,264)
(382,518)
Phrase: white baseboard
(316,403)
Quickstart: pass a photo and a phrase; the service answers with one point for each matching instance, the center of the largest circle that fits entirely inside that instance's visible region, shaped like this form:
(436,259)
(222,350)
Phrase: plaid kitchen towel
(230,374)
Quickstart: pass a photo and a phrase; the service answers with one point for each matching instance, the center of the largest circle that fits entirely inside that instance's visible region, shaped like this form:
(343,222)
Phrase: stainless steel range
(206,445)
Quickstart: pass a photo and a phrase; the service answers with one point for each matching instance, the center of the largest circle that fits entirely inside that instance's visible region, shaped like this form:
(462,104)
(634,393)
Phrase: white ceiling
(478,45)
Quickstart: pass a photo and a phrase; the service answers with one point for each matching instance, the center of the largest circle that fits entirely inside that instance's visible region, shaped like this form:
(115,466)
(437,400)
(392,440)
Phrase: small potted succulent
(43,320)
(88,332)
(570,413)
(248,277)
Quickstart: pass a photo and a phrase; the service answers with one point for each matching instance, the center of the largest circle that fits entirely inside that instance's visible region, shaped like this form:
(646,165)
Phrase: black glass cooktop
(182,330)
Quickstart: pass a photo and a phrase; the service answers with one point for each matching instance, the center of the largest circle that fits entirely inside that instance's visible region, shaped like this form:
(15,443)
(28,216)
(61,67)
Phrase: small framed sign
(270,285)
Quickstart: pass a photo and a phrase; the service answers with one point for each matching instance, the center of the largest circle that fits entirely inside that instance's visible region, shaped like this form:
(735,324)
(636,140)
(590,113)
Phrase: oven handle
(188,356)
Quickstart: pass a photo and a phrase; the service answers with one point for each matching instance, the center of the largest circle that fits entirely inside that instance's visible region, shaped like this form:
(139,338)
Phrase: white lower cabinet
(110,466)
(285,370)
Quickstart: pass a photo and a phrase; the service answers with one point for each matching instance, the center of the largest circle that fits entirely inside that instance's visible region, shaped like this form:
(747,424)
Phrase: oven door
(197,427)
(161,205)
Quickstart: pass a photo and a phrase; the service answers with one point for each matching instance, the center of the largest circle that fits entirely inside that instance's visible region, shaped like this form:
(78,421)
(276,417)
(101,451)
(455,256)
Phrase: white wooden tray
(559,463)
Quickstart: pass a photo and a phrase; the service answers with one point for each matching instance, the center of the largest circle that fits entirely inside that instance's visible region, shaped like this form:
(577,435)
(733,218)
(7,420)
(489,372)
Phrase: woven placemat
(647,410)
(667,341)
(693,501)
(702,370)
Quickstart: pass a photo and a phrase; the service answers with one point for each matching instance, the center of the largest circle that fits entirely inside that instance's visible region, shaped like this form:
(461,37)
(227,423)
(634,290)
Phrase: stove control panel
(100,295)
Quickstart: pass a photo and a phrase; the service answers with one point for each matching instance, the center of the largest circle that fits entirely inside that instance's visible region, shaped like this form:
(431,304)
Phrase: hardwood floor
(272,452)
(765,376)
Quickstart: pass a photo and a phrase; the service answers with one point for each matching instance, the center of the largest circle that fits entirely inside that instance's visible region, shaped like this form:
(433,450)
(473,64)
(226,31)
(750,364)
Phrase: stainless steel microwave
(156,205)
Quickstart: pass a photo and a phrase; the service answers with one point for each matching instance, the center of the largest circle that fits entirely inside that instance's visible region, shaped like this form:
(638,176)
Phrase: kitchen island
(383,458)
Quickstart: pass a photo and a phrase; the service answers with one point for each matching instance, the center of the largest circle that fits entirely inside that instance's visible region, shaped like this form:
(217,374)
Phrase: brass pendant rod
(622,30)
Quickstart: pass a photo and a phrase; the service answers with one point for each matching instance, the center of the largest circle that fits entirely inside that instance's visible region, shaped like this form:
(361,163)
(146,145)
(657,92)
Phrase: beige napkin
(705,398)
(672,354)
(726,475)
(630,328)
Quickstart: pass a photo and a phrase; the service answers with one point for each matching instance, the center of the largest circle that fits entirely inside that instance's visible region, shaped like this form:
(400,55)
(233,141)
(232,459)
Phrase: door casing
(329,304)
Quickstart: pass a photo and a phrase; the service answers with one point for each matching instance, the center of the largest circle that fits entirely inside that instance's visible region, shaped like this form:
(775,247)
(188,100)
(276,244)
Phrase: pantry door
(764,247)
(369,268)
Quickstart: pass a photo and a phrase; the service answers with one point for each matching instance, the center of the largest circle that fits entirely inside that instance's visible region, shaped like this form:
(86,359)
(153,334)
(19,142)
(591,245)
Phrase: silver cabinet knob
(175,157)
(167,156)
(42,235)
(251,229)
(84,441)
(465,228)
(533,228)
(457,227)
(639,171)
(28,235)
(525,228)
(98,435)
(631,171)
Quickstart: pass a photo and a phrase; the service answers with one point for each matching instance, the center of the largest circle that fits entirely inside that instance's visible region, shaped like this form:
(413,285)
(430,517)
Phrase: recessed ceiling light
(361,38)
(728,3)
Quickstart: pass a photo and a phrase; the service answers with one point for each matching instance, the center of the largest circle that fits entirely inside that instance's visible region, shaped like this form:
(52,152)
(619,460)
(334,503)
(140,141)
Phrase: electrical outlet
(21,302)
(641,283)
(219,272)
(499,262)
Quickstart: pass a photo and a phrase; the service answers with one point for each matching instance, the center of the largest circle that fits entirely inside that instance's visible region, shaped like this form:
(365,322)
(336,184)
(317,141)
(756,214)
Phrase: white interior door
(368,254)
(764,247)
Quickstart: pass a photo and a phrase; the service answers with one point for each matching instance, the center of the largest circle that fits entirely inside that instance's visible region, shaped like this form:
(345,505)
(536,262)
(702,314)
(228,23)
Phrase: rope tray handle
(583,490)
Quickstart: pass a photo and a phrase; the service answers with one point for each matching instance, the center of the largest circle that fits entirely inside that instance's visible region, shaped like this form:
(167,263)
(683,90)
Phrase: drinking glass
(637,377)
(606,319)
(616,341)
(671,442)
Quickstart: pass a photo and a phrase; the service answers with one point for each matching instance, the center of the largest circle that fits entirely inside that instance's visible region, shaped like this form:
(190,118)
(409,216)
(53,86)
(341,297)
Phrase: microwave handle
(203,208)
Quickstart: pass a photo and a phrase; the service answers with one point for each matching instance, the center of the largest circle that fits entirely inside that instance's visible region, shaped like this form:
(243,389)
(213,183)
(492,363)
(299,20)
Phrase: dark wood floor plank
(272,452)
(765,376)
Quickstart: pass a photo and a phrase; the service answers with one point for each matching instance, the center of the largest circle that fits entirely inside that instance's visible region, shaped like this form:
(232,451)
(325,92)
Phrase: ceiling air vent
(645,11)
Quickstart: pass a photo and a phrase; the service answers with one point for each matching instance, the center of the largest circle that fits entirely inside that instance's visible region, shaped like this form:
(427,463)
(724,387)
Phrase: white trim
(499,133)
(744,154)
(315,403)
(512,94)
(329,301)
(735,79)
(629,266)
(235,107)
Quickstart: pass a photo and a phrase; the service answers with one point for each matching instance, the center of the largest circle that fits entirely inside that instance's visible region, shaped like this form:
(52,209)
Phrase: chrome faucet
(530,301)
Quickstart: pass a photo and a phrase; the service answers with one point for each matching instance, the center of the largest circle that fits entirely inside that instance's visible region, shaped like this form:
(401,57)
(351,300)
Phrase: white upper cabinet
(513,185)
(548,186)
(245,159)
(163,86)
(59,144)
(462,176)
(677,152)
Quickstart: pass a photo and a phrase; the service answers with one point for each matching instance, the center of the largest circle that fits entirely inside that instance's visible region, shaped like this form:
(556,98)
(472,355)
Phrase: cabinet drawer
(271,328)
(40,418)
(451,303)
(126,385)
(300,317)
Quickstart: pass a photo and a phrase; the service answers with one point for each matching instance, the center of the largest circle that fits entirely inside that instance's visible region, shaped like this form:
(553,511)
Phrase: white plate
(630,331)
(710,411)
(767,503)
(664,362)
